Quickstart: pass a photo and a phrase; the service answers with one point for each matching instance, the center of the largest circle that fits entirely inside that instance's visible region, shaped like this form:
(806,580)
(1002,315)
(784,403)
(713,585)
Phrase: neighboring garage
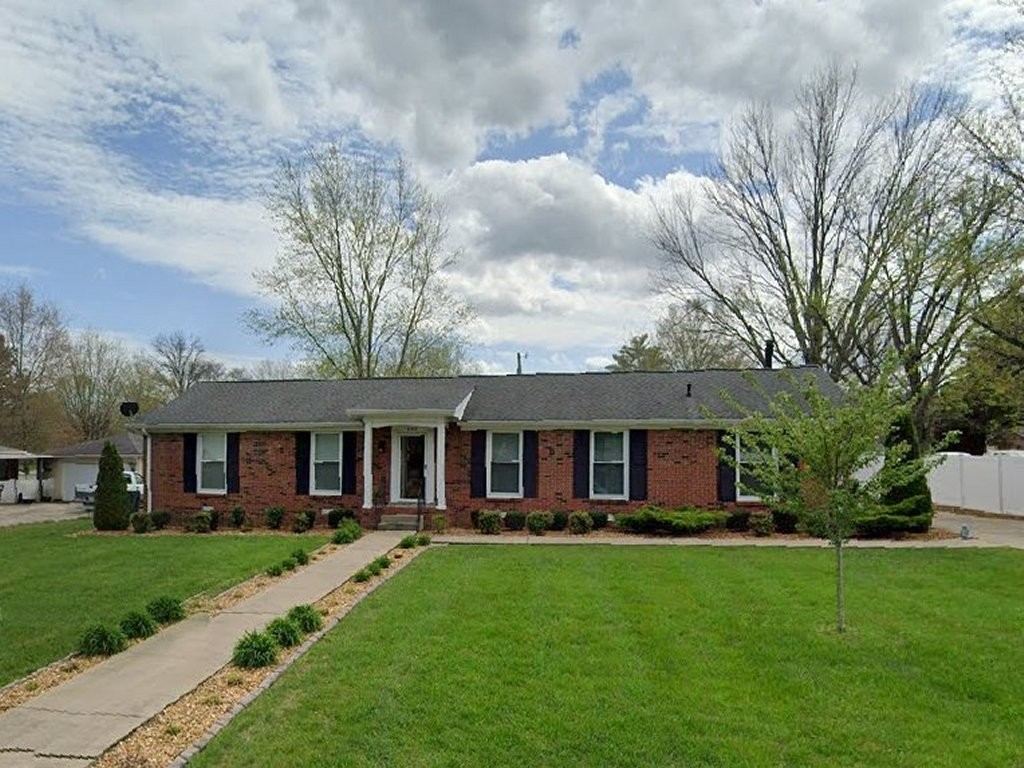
(78,464)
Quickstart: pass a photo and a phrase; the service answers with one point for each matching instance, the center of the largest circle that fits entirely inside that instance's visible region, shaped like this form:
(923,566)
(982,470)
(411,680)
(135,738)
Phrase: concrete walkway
(21,514)
(74,723)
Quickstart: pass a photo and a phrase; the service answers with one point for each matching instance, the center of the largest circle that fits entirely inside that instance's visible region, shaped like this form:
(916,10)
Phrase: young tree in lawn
(824,448)
(113,505)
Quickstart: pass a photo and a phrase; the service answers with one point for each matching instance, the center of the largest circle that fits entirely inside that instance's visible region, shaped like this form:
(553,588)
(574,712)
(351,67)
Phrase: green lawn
(622,656)
(54,584)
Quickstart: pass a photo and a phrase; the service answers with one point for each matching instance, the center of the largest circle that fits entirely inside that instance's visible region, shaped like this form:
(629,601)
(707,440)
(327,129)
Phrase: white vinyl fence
(991,483)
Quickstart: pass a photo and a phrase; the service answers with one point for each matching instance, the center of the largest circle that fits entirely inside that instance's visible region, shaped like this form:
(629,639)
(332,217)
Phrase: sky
(136,138)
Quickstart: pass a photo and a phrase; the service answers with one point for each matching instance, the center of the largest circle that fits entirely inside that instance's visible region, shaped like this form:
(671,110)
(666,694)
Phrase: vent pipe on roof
(689,389)
(769,353)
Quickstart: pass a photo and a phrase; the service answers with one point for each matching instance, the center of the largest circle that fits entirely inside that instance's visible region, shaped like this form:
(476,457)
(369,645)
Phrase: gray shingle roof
(547,397)
(127,445)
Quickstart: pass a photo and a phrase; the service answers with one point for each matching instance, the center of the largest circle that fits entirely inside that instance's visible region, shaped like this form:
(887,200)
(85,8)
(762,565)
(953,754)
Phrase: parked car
(86,492)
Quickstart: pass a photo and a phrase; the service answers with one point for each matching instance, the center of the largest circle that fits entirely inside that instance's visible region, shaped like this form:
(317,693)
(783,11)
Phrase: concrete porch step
(398,523)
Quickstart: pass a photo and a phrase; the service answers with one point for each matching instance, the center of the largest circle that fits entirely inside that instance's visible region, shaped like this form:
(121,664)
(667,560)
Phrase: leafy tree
(824,446)
(359,286)
(179,361)
(689,333)
(638,354)
(113,506)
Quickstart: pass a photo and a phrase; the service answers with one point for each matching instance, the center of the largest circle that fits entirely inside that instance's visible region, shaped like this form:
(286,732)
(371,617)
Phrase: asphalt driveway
(20,514)
(999,531)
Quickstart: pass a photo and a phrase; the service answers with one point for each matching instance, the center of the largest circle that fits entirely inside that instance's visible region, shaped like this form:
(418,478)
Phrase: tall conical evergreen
(915,498)
(113,507)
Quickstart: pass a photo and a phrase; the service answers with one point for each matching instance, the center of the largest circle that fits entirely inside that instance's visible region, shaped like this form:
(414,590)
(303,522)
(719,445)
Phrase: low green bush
(289,564)
(199,522)
(307,618)
(374,568)
(580,523)
(101,640)
(274,516)
(362,575)
(300,556)
(408,542)
(654,520)
(237,517)
(515,520)
(141,522)
(738,520)
(785,522)
(474,518)
(160,519)
(559,520)
(885,526)
(761,523)
(275,570)
(214,519)
(383,561)
(303,521)
(285,632)
(255,650)
(599,517)
(166,609)
(489,521)
(538,522)
(423,540)
(440,522)
(348,531)
(335,516)
(135,625)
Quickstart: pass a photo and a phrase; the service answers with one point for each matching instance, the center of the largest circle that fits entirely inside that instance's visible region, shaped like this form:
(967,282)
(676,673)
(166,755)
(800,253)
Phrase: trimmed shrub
(214,519)
(374,568)
(489,521)
(408,542)
(307,618)
(423,540)
(348,531)
(515,520)
(761,523)
(275,570)
(303,521)
(335,516)
(300,556)
(559,520)
(112,506)
(136,625)
(101,640)
(284,631)
(599,517)
(913,500)
(160,519)
(200,522)
(361,575)
(141,522)
(538,522)
(474,518)
(274,516)
(785,522)
(289,564)
(738,520)
(440,522)
(255,650)
(684,522)
(580,523)
(886,526)
(237,517)
(383,561)
(166,609)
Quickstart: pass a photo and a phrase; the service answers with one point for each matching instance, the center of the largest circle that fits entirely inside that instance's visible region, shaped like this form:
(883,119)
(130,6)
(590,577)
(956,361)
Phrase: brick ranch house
(613,441)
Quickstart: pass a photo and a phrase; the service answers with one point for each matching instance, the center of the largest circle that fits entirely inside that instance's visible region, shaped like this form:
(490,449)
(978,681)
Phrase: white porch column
(367,465)
(439,465)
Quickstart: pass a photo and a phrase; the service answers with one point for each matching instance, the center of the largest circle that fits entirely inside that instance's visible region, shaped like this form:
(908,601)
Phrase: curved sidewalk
(74,723)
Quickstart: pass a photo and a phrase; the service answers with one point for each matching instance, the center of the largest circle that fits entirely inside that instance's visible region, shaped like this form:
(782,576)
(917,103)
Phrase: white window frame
(199,463)
(313,490)
(624,496)
(740,496)
(504,494)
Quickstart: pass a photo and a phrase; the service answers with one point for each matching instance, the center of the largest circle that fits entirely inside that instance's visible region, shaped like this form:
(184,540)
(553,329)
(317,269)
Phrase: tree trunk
(840,602)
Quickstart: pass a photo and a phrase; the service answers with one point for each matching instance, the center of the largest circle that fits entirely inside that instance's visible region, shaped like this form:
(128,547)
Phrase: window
(326,461)
(212,455)
(608,469)
(505,465)
(748,486)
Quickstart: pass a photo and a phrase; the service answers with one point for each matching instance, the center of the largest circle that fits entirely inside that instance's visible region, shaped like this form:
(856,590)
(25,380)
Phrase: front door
(413,474)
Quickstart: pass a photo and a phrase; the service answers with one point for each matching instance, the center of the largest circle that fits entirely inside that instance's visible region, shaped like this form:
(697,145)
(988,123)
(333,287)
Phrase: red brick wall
(682,469)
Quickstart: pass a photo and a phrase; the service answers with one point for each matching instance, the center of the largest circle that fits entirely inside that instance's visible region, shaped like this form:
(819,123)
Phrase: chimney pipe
(769,353)
(689,389)
(519,363)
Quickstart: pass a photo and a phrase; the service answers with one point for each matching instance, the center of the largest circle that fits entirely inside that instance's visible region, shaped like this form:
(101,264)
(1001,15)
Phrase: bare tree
(688,333)
(92,386)
(269,370)
(359,286)
(180,360)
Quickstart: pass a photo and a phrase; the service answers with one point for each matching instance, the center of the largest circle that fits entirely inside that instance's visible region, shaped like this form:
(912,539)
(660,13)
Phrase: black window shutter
(477,462)
(348,462)
(188,463)
(726,472)
(302,463)
(581,464)
(638,464)
(530,464)
(234,482)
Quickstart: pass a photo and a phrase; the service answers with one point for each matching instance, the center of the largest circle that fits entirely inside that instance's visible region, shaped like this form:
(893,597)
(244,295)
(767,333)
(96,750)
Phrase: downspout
(148,440)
